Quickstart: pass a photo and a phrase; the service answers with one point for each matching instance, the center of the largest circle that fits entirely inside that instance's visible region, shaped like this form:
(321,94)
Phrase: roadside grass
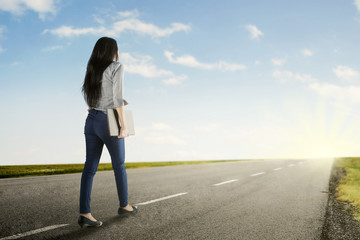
(349,187)
(39,170)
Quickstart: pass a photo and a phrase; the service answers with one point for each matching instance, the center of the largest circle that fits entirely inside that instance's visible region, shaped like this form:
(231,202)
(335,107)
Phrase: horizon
(231,80)
(207,160)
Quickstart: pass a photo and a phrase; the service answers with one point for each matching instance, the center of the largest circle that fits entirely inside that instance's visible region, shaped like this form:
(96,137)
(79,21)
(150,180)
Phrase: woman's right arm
(118,94)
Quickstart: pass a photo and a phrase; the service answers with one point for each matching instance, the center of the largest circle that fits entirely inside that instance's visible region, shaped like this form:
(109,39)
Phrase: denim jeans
(96,135)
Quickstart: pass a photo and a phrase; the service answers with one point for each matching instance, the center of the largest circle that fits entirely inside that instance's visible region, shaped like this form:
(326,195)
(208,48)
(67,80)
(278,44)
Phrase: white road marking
(256,174)
(20,235)
(160,199)
(230,181)
(40,230)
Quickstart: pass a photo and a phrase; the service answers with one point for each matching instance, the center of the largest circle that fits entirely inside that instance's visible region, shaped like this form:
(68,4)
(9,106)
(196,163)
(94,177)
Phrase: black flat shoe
(122,211)
(85,222)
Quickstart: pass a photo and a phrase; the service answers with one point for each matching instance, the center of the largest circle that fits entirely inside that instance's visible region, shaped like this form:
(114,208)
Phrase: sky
(206,80)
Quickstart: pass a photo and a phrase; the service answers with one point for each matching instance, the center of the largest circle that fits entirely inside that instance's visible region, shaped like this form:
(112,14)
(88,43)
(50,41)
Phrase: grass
(39,170)
(349,187)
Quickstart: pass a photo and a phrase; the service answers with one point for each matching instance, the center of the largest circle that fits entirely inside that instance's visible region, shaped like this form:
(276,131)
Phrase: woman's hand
(123,130)
(123,133)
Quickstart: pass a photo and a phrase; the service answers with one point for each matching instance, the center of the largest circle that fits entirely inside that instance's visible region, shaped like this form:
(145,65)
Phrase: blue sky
(205,79)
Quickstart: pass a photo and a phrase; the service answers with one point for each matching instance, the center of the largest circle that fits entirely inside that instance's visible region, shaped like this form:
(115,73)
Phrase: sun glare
(321,133)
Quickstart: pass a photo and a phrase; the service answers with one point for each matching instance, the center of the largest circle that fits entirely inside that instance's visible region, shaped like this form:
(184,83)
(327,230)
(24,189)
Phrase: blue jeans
(96,135)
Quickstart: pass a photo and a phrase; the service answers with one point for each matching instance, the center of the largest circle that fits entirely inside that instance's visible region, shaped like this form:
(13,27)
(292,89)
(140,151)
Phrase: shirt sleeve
(118,87)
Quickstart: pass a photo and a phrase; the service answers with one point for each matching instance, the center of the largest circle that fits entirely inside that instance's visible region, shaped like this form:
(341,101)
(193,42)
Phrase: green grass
(38,170)
(349,187)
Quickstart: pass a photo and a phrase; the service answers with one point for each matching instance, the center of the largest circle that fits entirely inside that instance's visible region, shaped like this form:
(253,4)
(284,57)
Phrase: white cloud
(177,80)
(208,128)
(278,61)
(304,78)
(127,14)
(99,20)
(287,76)
(161,126)
(306,52)
(190,61)
(162,133)
(346,74)
(119,27)
(145,28)
(255,33)
(348,94)
(283,75)
(2,31)
(19,7)
(344,94)
(142,65)
(53,48)
(257,62)
(357,4)
(69,31)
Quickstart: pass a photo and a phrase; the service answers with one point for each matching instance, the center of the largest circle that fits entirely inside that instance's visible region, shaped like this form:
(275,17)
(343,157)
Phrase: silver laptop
(114,124)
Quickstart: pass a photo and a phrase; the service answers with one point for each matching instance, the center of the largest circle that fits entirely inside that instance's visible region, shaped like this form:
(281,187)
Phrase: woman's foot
(89,216)
(127,210)
(88,220)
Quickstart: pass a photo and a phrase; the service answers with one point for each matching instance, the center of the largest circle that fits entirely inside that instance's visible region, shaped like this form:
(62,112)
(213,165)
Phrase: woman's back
(112,87)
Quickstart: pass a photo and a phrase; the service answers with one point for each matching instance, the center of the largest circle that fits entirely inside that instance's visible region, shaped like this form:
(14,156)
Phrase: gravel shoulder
(339,221)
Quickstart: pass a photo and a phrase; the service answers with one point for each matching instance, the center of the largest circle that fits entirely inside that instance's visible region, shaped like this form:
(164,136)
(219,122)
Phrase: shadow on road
(87,232)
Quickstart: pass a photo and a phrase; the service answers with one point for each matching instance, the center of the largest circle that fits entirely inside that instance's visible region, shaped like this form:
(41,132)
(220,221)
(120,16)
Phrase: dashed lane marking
(257,174)
(230,181)
(161,199)
(40,230)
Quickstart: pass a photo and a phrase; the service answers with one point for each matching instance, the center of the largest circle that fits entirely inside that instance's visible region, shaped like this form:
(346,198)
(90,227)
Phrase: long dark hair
(103,54)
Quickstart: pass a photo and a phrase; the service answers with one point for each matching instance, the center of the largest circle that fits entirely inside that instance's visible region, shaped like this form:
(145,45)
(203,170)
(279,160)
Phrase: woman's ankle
(88,216)
(128,207)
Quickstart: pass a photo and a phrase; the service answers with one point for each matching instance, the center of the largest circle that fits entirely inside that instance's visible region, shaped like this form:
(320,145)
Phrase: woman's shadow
(88,231)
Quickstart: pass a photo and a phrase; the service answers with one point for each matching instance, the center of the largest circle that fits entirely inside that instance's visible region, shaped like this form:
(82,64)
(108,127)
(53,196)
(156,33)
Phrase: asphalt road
(272,199)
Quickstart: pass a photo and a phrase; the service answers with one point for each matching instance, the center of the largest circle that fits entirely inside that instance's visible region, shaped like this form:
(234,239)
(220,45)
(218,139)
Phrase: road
(271,199)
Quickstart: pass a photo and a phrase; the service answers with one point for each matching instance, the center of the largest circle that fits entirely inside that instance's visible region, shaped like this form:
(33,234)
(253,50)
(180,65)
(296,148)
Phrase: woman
(103,89)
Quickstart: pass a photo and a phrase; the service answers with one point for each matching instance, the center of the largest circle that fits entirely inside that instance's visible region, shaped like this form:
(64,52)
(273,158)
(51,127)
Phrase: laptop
(114,123)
